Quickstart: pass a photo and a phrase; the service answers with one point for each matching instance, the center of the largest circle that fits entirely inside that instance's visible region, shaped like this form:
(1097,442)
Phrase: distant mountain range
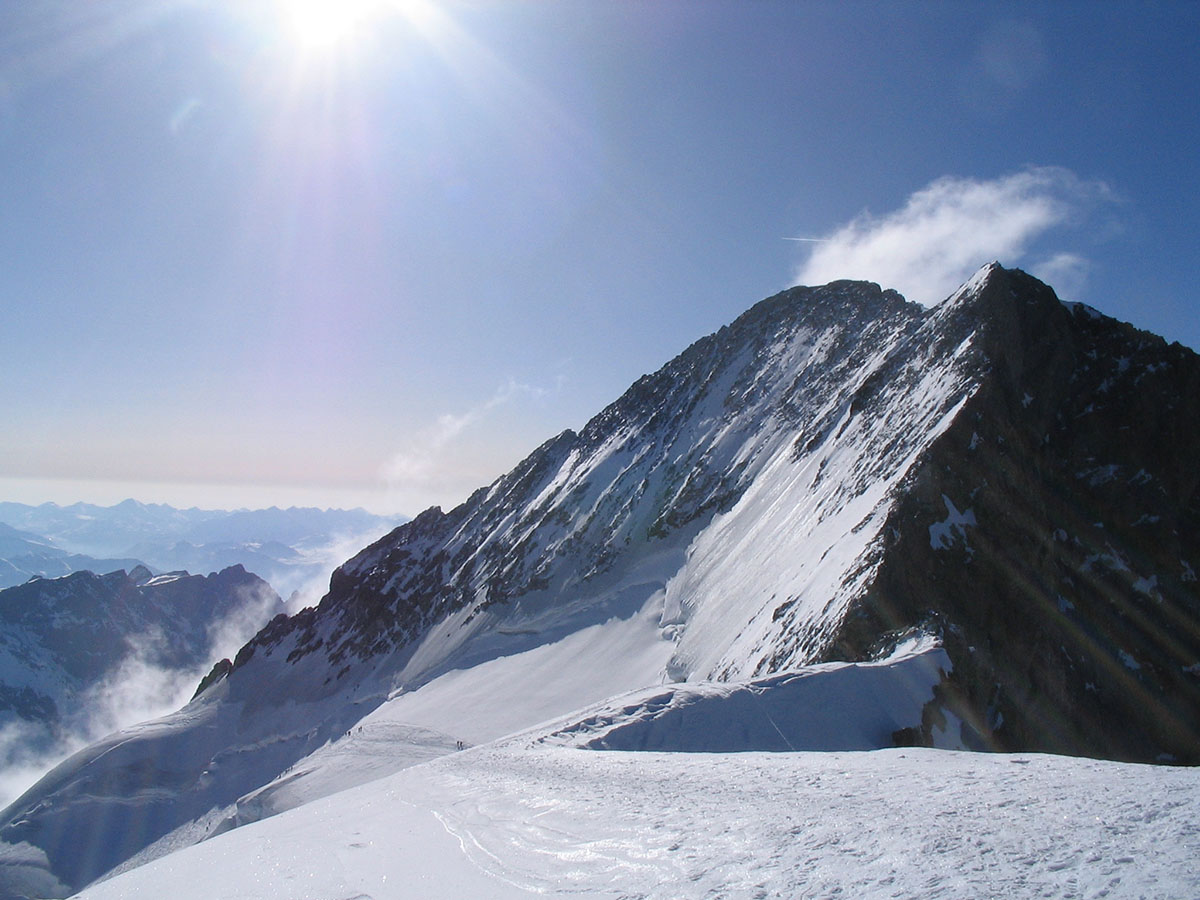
(287,547)
(24,555)
(977,524)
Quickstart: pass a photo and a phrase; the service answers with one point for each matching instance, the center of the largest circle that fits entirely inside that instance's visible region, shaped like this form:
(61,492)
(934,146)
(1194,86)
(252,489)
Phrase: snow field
(896,823)
(831,706)
(534,819)
(533,814)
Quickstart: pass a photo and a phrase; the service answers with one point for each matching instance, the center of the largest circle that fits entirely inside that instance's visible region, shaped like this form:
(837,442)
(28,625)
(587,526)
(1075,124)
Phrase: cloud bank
(948,229)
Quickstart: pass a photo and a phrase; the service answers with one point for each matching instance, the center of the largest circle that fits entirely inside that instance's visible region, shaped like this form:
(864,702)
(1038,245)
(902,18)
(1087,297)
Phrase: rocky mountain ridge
(24,555)
(1004,447)
(1059,558)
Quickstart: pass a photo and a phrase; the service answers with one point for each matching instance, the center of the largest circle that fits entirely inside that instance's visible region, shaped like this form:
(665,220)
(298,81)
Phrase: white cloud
(139,688)
(1065,272)
(136,690)
(254,608)
(949,228)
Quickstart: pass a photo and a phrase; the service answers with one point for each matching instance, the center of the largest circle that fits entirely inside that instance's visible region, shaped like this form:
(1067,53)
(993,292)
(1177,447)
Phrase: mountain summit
(833,470)
(836,471)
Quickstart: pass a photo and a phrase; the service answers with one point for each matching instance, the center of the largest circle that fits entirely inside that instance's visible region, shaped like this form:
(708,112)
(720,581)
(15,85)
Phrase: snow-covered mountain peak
(793,427)
(993,291)
(976,285)
(787,381)
(832,471)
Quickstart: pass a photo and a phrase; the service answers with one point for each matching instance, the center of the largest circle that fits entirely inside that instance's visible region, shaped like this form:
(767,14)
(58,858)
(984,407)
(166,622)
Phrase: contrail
(809,240)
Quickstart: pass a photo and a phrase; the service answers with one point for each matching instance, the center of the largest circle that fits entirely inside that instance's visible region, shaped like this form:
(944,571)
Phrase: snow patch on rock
(952,529)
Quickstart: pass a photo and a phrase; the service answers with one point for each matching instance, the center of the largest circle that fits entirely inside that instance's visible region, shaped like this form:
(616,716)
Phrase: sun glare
(324,24)
(321,27)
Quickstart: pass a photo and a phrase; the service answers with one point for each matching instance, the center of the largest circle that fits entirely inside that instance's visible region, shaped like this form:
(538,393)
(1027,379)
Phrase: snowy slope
(522,819)
(835,706)
(231,757)
(533,815)
(830,706)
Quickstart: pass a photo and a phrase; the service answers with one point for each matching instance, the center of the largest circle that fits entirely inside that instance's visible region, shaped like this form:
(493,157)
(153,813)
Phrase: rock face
(832,472)
(1052,533)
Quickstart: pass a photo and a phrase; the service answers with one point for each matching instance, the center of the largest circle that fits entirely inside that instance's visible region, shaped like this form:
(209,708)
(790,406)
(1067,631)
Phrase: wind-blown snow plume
(256,605)
(946,230)
(138,688)
(27,751)
(147,678)
(1068,273)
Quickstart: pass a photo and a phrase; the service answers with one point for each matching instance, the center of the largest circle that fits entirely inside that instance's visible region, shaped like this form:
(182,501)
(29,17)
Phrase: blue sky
(249,259)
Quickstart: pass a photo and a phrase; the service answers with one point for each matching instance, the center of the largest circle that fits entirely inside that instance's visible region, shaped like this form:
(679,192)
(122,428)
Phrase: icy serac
(832,472)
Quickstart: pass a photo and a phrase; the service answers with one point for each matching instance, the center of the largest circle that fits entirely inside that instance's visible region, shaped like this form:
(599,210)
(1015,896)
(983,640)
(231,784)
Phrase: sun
(336,27)
(320,25)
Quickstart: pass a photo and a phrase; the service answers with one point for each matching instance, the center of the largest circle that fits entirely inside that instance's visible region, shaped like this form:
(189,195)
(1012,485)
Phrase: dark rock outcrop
(1051,536)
